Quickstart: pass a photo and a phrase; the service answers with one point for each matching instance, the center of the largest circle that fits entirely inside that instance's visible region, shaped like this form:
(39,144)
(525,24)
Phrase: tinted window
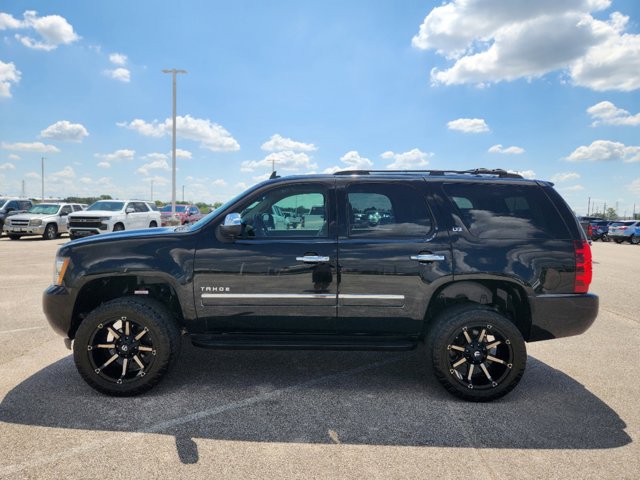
(381,210)
(506,211)
(286,213)
(140,207)
(66,210)
(107,205)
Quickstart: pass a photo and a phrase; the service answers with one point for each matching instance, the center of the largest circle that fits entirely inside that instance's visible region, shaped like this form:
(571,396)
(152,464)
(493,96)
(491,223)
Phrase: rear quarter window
(505,211)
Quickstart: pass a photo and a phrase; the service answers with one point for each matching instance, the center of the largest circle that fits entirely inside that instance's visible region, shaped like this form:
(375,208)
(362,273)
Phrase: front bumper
(23,230)
(57,304)
(561,315)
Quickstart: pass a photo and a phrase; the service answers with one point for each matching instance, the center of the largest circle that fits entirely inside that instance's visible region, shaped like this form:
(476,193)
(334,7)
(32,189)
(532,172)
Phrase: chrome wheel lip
(478,363)
(121,350)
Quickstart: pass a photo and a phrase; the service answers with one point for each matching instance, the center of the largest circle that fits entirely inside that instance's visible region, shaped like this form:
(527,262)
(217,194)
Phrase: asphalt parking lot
(262,414)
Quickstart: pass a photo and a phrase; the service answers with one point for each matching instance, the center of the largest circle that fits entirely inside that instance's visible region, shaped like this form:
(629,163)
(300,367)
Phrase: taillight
(622,228)
(584,266)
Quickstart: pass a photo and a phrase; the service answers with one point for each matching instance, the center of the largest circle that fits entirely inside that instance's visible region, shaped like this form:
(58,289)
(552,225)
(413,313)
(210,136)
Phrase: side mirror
(232,225)
(130,210)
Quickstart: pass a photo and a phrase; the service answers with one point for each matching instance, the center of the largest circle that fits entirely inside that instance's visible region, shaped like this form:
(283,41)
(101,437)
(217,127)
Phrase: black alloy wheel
(125,346)
(50,232)
(476,353)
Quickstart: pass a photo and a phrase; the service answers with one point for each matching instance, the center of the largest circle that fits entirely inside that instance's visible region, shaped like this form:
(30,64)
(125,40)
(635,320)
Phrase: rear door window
(386,210)
(505,211)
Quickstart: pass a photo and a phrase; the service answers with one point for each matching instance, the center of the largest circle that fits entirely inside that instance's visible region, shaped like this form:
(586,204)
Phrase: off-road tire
(489,380)
(161,335)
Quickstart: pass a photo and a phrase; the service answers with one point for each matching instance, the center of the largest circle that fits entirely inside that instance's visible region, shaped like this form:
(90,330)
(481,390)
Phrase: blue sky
(547,88)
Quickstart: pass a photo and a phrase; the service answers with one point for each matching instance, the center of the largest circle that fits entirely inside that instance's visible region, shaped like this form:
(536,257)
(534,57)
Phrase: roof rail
(497,172)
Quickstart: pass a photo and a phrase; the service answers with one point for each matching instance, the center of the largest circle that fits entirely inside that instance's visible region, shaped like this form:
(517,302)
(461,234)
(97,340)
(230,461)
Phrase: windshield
(45,209)
(107,205)
(179,208)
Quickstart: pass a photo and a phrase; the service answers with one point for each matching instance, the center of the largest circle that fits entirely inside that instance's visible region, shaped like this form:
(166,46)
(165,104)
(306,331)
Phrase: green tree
(611,214)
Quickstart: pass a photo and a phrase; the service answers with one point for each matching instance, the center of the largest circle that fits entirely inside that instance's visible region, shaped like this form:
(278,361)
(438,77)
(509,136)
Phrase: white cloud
(413,159)
(121,74)
(118,59)
(65,131)
(13,156)
(210,135)
(8,22)
(156,156)
(66,172)
(155,165)
(353,161)
(606,113)
(287,161)
(219,183)
(634,187)
(507,151)
(30,147)
(468,125)
(53,30)
(605,151)
(572,188)
(184,154)
(104,165)
(123,154)
(7,166)
(564,177)
(491,41)
(278,143)
(9,75)
(530,174)
(32,175)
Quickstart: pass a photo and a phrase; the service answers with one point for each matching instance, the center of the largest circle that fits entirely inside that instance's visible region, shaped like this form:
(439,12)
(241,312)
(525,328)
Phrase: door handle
(427,257)
(312,259)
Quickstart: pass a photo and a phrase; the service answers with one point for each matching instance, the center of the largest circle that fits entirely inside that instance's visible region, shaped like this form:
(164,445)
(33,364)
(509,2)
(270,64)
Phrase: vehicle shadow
(321,397)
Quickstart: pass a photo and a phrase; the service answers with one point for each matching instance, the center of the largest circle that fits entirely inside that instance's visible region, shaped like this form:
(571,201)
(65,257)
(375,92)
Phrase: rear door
(392,256)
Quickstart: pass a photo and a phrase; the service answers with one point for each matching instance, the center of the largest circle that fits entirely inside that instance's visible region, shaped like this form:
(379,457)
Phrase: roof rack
(498,172)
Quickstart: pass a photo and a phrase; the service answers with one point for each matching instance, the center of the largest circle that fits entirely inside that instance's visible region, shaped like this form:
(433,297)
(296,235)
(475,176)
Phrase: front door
(392,257)
(279,276)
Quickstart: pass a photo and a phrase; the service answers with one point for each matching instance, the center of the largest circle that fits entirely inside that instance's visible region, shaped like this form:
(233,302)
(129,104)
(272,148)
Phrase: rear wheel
(476,353)
(634,240)
(51,232)
(125,346)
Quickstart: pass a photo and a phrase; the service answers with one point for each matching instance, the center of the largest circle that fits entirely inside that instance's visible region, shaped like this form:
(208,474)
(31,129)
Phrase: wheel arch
(506,297)
(98,291)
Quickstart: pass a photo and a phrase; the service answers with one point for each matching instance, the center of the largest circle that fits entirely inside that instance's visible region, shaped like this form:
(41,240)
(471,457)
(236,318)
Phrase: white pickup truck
(112,216)
(46,219)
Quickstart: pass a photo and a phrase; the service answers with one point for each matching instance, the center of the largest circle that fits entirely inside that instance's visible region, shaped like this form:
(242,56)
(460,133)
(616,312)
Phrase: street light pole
(173,72)
(42,168)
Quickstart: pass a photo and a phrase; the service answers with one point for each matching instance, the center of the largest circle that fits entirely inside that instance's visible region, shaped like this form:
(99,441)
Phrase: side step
(301,342)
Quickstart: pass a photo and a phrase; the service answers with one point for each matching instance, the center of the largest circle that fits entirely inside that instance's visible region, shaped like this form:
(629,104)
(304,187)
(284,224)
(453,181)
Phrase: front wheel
(125,346)
(14,237)
(51,232)
(118,227)
(476,353)
(634,240)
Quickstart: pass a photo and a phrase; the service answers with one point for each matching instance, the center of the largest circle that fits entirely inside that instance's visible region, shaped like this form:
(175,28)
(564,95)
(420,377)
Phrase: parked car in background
(12,206)
(185,213)
(625,231)
(112,216)
(600,230)
(46,219)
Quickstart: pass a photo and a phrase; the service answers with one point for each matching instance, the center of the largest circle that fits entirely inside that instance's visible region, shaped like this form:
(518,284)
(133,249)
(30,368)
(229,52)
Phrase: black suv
(475,263)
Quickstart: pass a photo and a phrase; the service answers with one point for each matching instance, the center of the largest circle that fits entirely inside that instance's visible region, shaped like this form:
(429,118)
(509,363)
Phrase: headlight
(105,219)
(36,222)
(60,268)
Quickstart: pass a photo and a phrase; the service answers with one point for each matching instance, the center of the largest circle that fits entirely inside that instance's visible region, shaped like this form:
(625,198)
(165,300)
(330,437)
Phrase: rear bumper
(564,315)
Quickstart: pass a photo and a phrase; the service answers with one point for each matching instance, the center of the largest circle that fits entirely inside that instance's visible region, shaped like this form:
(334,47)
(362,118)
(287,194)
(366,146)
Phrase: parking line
(21,329)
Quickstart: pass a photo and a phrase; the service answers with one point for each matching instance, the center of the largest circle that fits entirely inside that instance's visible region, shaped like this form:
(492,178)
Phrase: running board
(298,342)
